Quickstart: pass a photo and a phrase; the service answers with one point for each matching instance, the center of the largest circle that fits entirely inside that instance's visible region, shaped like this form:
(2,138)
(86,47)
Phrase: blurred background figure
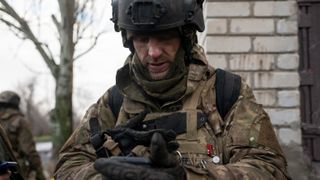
(20,136)
(9,169)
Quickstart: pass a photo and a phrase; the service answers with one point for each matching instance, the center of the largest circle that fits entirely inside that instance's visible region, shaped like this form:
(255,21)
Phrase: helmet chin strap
(127,42)
(188,40)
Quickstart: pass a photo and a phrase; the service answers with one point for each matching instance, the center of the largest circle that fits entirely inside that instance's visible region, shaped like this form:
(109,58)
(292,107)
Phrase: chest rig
(190,123)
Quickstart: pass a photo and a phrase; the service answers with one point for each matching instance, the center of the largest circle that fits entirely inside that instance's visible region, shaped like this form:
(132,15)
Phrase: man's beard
(173,81)
(157,75)
(176,67)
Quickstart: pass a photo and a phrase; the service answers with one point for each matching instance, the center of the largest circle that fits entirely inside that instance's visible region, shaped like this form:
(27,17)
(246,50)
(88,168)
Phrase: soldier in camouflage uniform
(167,75)
(20,136)
(6,155)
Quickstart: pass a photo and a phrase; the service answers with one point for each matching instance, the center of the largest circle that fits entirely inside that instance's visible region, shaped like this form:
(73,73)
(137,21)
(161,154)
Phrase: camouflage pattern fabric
(23,145)
(241,146)
(6,153)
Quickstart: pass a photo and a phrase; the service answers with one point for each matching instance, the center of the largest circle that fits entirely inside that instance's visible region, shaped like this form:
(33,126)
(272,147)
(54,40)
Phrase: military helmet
(9,97)
(156,15)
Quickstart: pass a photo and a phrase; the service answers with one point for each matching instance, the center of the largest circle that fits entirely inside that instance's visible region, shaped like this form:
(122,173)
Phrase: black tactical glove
(162,152)
(130,134)
(164,165)
(129,138)
(114,170)
(135,122)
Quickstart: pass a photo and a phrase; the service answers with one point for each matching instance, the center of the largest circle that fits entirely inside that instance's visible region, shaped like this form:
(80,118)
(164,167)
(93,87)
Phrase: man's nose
(154,48)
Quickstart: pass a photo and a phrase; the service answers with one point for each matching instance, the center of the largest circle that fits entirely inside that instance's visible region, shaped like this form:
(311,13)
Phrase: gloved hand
(162,152)
(129,135)
(114,170)
(129,138)
(135,122)
(164,165)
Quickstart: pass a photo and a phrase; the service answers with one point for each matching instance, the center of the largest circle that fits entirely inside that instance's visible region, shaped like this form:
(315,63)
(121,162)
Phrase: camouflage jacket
(21,138)
(244,144)
(6,153)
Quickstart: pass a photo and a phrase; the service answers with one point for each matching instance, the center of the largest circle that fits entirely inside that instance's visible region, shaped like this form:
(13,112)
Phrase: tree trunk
(64,81)
(62,115)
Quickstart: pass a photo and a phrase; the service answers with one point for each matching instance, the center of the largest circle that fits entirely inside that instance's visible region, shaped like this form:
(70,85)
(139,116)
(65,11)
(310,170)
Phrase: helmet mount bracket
(145,12)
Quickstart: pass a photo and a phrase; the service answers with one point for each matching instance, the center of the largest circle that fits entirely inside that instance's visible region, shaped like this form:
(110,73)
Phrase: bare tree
(71,30)
(33,110)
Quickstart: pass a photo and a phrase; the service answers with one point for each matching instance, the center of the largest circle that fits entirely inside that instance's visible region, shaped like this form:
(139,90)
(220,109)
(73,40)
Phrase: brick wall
(258,40)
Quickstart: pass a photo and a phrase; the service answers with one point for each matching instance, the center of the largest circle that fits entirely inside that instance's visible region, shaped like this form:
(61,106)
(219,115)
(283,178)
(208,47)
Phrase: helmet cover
(156,15)
(9,97)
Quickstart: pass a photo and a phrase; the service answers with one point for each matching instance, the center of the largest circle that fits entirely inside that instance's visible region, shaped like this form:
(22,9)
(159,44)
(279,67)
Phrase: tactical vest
(196,128)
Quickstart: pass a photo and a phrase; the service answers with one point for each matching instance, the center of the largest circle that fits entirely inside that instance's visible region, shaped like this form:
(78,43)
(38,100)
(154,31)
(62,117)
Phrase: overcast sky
(93,73)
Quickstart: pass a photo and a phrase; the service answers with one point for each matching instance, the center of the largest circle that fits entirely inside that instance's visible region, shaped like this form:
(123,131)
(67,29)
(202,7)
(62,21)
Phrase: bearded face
(157,51)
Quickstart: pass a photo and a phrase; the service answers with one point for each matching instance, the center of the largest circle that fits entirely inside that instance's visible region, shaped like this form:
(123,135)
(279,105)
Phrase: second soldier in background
(20,136)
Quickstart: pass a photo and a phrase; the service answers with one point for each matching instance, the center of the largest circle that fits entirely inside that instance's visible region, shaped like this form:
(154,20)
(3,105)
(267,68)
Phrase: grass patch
(43,138)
